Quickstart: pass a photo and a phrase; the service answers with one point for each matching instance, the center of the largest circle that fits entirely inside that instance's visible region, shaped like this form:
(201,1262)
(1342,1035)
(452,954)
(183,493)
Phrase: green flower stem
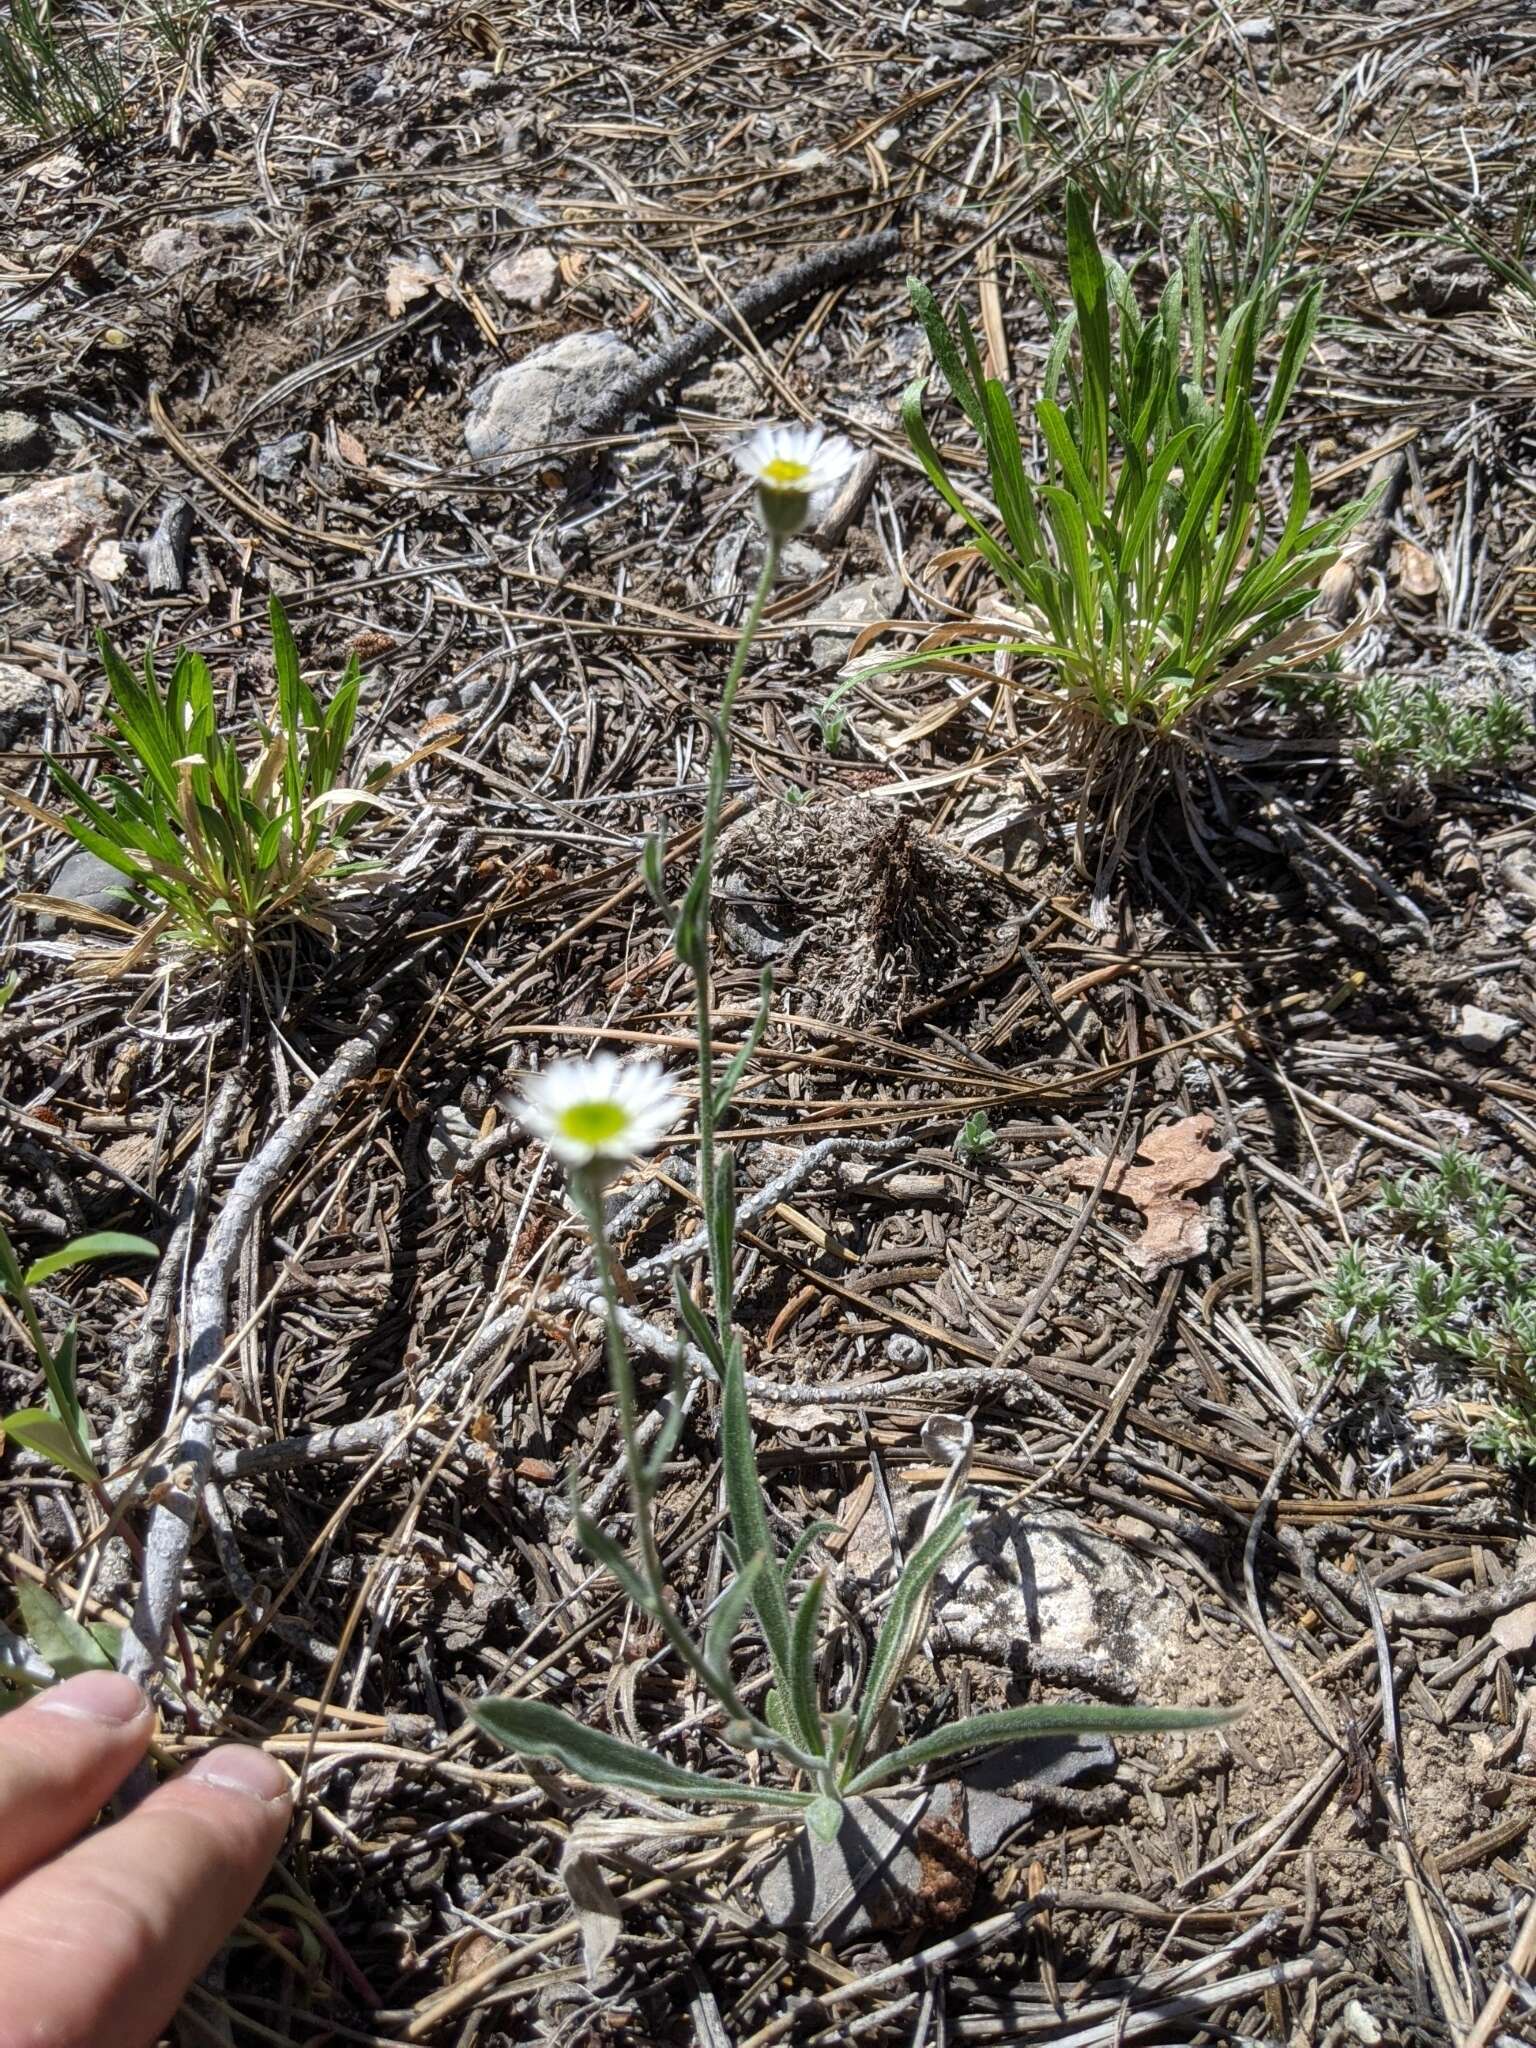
(719,777)
(587,1193)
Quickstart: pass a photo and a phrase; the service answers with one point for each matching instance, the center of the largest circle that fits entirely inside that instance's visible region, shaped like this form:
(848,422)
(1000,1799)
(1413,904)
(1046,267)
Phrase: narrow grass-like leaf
(100,1244)
(725,1087)
(44,1433)
(904,1622)
(802,1659)
(596,1541)
(697,1324)
(726,1619)
(1090,298)
(945,352)
(1299,334)
(749,1522)
(1010,483)
(922,446)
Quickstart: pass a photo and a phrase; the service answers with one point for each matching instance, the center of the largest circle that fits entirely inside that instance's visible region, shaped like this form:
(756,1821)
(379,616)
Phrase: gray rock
(528,279)
(326,170)
(539,402)
(873,1875)
(1258,28)
(725,388)
(24,442)
(838,618)
(1361,2024)
(276,461)
(168,250)
(93,883)
(1047,1583)
(1484,1031)
(801,563)
(24,702)
(450,1138)
(908,1353)
(61,519)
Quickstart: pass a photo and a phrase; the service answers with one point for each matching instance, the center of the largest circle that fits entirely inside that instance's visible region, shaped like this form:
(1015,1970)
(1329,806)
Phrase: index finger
(100,1944)
(62,1756)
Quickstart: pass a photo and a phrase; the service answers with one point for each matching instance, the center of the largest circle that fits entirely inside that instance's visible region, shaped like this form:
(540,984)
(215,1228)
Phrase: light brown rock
(60,520)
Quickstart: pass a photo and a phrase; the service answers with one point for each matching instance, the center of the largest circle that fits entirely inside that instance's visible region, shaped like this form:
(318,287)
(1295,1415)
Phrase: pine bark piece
(754,304)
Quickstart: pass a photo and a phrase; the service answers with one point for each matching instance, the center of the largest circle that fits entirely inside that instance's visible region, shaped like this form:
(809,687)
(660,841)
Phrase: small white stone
(1485,1031)
(1361,2025)
(107,562)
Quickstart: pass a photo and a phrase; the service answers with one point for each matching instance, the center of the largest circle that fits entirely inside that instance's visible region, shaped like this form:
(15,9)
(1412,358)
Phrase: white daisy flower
(599,1109)
(795,469)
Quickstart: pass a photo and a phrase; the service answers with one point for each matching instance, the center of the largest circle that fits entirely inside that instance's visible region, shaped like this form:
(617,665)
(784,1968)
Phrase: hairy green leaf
(1016,1724)
(534,1728)
(55,1635)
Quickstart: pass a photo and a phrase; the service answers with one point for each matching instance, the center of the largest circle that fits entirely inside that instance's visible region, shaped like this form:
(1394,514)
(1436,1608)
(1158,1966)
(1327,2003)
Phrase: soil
(1284,952)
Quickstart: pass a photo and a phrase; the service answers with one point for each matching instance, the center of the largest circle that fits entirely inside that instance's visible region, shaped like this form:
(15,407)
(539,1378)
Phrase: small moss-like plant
(816,1752)
(1139,545)
(237,839)
(1407,736)
(1443,1308)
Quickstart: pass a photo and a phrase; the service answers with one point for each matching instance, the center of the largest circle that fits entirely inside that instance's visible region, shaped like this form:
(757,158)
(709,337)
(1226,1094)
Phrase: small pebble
(910,1353)
(1485,1031)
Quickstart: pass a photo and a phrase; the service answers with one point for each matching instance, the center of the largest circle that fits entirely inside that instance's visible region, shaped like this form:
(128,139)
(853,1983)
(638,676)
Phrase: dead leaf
(598,1913)
(244,90)
(1413,570)
(410,278)
(350,449)
(803,1418)
(1178,1159)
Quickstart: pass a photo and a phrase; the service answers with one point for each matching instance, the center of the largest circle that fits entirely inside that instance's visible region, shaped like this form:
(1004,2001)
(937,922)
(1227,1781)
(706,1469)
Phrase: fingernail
(104,1696)
(239,1768)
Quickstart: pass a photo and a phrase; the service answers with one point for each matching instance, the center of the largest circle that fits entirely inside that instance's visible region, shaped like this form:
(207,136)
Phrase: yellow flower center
(784,474)
(593,1123)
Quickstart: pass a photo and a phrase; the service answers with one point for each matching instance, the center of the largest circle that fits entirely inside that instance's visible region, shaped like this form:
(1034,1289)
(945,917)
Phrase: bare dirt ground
(271,301)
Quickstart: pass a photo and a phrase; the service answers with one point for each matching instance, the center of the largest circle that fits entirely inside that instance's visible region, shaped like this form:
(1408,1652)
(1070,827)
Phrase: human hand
(98,1941)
